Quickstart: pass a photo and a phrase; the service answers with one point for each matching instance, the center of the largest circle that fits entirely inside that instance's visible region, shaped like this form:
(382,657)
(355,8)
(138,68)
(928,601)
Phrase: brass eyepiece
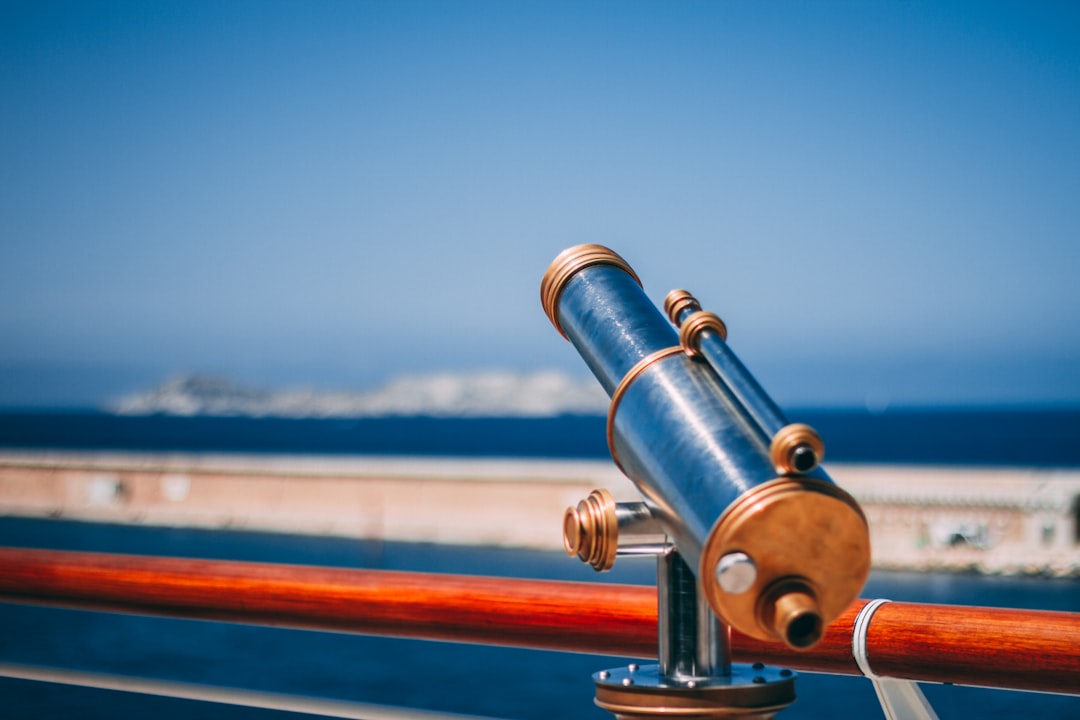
(567,264)
(792,612)
(796,449)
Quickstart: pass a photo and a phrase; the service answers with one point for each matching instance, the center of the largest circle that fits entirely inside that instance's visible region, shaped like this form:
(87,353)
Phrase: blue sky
(882,200)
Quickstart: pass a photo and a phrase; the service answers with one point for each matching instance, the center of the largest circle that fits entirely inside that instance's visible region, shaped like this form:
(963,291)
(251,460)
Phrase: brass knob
(796,448)
(591,530)
(694,325)
(678,301)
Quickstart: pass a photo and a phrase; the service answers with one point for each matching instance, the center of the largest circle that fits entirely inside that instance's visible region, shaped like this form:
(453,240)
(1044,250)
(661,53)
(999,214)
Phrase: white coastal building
(988,520)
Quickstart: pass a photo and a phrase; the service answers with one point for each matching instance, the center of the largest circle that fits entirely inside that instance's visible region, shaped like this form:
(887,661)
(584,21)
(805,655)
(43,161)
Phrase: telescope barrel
(777,554)
(604,313)
(630,346)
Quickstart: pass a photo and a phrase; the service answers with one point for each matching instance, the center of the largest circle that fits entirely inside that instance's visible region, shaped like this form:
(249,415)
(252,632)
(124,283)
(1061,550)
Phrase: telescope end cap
(569,263)
(810,545)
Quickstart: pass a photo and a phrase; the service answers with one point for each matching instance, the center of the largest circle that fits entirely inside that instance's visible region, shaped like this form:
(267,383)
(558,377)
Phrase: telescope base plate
(749,692)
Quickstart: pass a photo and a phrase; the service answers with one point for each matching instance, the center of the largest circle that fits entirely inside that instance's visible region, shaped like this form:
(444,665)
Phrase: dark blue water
(1034,437)
(489,681)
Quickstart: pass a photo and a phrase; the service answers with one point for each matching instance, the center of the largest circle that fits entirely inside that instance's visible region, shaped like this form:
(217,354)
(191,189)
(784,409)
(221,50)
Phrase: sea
(1042,437)
(460,678)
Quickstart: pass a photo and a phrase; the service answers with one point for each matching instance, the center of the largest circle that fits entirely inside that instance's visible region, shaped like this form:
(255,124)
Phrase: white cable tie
(858,636)
(900,699)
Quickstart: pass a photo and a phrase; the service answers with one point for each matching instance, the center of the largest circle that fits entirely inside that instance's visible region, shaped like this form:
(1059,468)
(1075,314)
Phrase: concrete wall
(1012,521)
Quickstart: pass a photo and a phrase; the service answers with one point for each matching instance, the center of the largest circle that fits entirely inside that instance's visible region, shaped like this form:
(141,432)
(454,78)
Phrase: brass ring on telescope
(676,302)
(567,264)
(642,365)
(693,326)
(794,446)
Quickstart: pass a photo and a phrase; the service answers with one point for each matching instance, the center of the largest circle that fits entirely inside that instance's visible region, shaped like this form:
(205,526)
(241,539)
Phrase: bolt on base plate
(750,692)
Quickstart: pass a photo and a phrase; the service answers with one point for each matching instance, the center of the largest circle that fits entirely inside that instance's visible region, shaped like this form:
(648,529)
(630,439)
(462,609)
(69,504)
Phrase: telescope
(734,500)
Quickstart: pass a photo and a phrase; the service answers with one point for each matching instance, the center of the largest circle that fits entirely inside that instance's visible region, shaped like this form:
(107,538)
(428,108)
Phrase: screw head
(736,573)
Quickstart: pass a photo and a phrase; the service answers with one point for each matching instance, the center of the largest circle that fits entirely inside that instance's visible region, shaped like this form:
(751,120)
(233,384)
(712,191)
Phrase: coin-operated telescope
(735,503)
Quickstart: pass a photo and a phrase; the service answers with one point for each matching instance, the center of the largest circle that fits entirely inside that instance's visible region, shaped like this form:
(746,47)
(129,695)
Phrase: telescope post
(694,676)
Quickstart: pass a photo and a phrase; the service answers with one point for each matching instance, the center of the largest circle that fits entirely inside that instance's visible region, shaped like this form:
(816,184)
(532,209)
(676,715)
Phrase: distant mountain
(490,394)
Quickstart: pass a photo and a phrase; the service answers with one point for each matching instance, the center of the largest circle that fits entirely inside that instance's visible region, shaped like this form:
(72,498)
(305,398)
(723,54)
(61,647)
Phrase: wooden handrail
(1017,649)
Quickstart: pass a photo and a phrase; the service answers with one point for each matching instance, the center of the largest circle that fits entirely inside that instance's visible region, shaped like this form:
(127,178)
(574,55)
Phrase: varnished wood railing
(1018,649)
